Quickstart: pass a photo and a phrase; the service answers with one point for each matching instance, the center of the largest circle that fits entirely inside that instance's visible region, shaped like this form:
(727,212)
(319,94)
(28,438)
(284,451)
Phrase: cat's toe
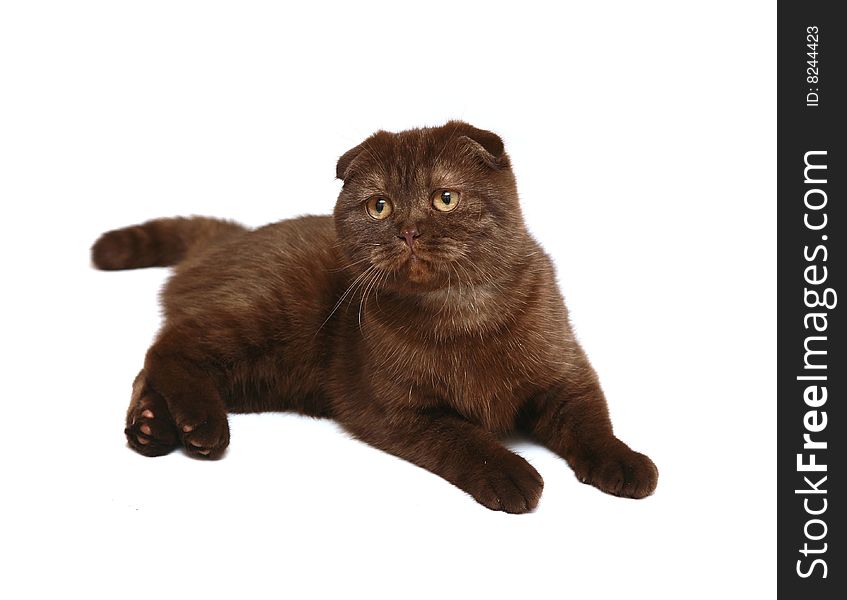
(620,472)
(206,439)
(149,434)
(509,484)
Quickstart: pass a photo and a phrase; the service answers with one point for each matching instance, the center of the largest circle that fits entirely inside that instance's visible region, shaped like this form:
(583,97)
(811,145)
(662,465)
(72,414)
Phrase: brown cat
(421,316)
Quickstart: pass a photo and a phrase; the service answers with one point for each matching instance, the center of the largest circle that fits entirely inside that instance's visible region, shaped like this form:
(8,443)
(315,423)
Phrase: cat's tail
(158,243)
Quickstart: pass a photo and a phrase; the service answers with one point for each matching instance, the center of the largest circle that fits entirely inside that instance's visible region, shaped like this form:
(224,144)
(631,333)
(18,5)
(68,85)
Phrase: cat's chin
(418,270)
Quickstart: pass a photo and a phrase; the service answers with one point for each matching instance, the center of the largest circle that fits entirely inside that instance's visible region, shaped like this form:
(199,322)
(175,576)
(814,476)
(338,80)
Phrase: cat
(421,315)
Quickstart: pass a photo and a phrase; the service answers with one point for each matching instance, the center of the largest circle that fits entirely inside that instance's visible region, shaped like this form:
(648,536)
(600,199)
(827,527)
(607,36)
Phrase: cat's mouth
(411,266)
(429,264)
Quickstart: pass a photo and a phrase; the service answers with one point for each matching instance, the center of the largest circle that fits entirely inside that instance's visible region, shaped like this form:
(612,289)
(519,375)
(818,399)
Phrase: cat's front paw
(206,438)
(507,482)
(618,470)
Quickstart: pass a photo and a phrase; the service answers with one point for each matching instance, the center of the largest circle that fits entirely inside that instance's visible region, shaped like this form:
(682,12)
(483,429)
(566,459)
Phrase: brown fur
(427,334)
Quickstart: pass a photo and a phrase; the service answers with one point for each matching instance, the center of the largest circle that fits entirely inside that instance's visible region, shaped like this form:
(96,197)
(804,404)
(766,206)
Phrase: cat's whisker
(359,287)
(446,144)
(363,301)
(352,264)
(344,295)
(381,283)
(367,147)
(447,299)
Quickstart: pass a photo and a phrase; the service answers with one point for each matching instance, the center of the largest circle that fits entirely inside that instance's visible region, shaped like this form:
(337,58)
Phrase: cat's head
(427,207)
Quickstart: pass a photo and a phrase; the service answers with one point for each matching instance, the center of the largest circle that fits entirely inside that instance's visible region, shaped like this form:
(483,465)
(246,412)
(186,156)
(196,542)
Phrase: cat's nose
(409,234)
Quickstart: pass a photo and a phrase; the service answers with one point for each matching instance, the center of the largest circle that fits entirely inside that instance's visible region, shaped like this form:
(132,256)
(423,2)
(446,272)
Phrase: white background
(643,139)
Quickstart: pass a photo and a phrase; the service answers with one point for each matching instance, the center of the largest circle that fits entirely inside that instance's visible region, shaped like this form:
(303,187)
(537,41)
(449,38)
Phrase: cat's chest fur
(449,358)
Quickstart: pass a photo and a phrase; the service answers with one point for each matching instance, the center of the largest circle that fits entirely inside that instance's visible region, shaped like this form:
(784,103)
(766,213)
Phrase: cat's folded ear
(486,144)
(346,159)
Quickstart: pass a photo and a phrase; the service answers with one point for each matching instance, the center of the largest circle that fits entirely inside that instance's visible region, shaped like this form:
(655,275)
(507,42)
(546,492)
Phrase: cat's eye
(379,207)
(445,200)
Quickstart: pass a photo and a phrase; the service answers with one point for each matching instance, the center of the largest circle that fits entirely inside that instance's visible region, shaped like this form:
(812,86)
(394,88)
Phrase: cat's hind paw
(207,438)
(149,429)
